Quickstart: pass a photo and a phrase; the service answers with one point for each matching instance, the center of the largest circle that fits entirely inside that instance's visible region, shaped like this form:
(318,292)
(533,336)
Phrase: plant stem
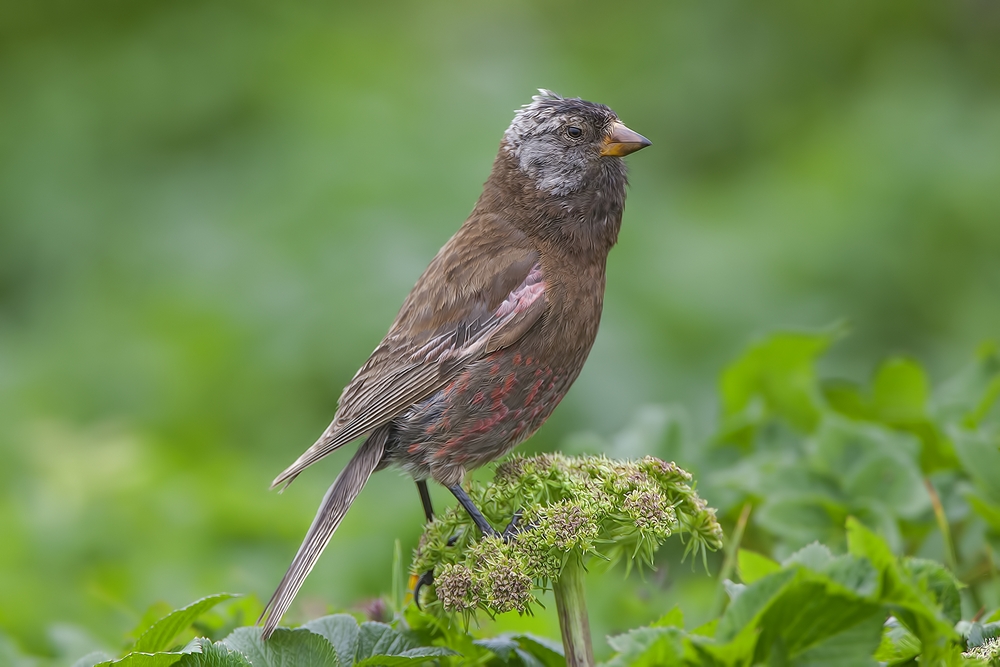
(731,559)
(572,608)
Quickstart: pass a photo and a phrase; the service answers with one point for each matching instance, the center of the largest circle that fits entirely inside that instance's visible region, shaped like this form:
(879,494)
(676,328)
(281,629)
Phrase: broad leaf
(408,658)
(381,639)
(780,373)
(285,648)
(341,630)
(213,655)
(752,566)
(160,636)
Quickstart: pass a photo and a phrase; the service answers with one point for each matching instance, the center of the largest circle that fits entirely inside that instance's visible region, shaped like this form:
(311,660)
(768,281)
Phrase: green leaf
(847,399)
(900,392)
(980,457)
(813,556)
(298,648)
(672,619)
(341,630)
(413,656)
(153,613)
(548,652)
(503,646)
(863,542)
(810,614)
(801,519)
(872,462)
(160,636)
(966,398)
(853,647)
(647,647)
(381,639)
(898,644)
(914,594)
(745,608)
(899,400)
(528,660)
(213,655)
(144,660)
(752,566)
(989,511)
(779,371)
(933,578)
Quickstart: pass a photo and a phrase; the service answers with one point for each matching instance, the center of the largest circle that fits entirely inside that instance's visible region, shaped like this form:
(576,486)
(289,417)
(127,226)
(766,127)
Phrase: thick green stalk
(572,608)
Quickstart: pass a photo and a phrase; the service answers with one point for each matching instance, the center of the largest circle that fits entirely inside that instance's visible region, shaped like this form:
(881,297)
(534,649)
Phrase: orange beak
(622,141)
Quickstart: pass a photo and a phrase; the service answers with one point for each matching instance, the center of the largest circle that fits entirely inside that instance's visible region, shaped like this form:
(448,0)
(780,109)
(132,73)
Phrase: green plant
(574,512)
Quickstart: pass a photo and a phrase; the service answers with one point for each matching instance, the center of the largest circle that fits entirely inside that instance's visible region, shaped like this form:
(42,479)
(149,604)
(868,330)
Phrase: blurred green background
(210,212)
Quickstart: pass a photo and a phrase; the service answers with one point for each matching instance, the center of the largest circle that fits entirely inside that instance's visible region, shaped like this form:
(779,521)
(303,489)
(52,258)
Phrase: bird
(495,330)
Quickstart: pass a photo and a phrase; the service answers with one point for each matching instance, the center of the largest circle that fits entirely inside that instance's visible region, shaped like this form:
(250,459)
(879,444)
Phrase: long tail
(336,502)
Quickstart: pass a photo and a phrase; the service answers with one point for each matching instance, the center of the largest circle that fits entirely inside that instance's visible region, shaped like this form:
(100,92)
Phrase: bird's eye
(574,131)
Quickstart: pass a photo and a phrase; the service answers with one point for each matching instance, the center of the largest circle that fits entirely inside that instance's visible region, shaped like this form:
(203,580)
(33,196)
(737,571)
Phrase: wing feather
(482,306)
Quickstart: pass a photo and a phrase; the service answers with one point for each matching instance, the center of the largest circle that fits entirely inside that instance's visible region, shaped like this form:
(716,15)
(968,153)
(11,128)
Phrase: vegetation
(832,479)
(210,212)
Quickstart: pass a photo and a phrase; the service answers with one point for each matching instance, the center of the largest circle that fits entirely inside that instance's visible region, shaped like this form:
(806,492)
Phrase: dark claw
(514,527)
(426,579)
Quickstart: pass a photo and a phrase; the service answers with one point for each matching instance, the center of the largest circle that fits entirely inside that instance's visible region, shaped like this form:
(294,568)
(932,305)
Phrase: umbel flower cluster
(590,508)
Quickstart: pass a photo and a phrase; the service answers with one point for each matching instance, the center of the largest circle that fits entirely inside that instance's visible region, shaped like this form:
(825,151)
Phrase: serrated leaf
(935,579)
(413,656)
(381,639)
(855,574)
(647,646)
(213,655)
(753,566)
(672,619)
(743,609)
(863,542)
(285,648)
(813,556)
(341,630)
(160,636)
(898,644)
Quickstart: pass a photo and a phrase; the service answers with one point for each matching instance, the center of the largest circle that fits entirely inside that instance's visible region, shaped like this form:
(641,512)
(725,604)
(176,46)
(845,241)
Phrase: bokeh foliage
(210,211)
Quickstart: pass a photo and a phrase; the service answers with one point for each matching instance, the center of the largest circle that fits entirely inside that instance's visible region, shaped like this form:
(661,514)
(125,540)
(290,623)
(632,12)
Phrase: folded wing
(447,322)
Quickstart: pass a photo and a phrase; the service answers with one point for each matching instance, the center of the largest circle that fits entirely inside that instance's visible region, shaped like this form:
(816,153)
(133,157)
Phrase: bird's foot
(507,535)
(425,579)
(514,527)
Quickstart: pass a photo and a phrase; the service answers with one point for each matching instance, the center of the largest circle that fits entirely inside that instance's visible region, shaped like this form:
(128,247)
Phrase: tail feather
(336,502)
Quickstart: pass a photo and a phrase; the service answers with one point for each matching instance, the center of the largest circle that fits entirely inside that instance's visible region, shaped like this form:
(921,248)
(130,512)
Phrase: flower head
(572,508)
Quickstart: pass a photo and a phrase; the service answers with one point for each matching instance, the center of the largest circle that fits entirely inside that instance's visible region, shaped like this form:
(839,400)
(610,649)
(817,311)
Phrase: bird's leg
(477,517)
(427,578)
(513,528)
(425,499)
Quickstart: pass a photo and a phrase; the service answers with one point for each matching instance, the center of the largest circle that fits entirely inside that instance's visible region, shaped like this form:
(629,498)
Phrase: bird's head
(561,144)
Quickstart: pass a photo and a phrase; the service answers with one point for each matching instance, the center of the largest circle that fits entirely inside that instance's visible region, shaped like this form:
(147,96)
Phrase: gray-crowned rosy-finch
(496,329)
